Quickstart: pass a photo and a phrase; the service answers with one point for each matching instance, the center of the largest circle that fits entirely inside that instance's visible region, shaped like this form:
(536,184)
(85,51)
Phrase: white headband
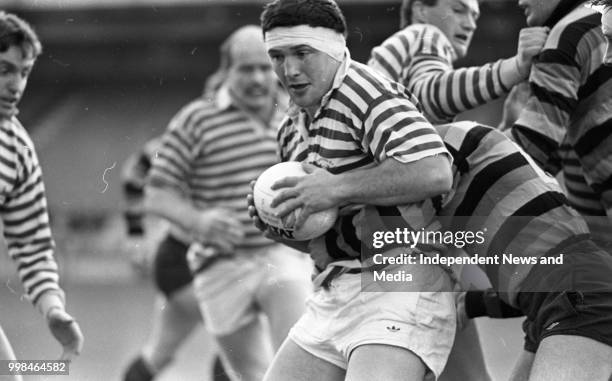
(323,39)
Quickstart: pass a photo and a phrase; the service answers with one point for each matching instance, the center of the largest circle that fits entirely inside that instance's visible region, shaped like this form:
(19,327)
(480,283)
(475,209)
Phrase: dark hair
(315,13)
(17,32)
(602,2)
(406,10)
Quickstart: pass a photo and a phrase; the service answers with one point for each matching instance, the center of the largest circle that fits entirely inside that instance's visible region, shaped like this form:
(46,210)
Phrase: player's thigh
(173,321)
(283,304)
(466,360)
(522,367)
(375,362)
(294,363)
(247,350)
(285,284)
(571,358)
(184,304)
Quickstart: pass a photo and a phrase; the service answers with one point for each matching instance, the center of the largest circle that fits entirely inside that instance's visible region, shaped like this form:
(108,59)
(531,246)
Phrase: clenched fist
(531,42)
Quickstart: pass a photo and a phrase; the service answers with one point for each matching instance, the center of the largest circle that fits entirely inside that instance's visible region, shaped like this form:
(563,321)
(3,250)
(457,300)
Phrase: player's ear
(419,12)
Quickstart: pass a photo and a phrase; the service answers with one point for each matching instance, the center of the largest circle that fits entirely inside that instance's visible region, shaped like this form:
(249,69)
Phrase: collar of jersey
(223,98)
(423,27)
(563,9)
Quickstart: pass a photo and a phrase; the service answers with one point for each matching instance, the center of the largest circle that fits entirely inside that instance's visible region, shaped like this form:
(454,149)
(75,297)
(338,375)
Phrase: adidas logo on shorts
(393,329)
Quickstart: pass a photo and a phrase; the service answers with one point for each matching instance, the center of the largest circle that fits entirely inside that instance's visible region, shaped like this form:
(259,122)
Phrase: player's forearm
(51,299)
(445,92)
(169,204)
(393,182)
(37,270)
(510,72)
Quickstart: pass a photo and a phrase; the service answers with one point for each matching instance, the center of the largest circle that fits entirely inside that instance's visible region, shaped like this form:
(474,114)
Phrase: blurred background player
(22,194)
(434,34)
(199,180)
(176,313)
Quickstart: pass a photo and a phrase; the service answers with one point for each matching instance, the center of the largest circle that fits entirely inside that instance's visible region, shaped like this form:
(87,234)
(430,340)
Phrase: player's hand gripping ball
(316,224)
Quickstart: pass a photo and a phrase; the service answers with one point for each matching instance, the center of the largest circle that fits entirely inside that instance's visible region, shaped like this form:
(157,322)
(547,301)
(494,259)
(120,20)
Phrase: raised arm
(421,58)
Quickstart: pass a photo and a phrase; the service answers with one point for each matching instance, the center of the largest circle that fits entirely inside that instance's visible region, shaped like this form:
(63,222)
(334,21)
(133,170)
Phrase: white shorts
(342,318)
(227,290)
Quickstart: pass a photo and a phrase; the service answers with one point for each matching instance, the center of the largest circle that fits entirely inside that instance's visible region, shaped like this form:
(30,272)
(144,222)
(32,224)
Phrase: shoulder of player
(428,34)
(364,86)
(13,133)
(200,114)
(423,34)
(408,35)
(285,128)
(413,36)
(423,29)
(466,134)
(571,29)
(149,148)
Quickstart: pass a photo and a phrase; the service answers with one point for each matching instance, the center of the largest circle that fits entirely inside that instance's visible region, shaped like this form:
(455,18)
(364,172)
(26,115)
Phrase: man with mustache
(199,180)
(176,313)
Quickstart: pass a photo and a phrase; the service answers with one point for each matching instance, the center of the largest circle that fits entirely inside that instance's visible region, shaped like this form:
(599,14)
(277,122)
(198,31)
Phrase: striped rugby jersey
(363,120)
(567,121)
(133,176)
(500,190)
(210,153)
(24,212)
(421,58)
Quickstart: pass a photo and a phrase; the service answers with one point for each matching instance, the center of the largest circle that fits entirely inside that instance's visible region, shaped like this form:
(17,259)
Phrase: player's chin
(8,112)
(461,50)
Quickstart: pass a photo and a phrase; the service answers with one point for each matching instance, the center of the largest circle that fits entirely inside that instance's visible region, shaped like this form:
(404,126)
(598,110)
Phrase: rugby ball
(316,224)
